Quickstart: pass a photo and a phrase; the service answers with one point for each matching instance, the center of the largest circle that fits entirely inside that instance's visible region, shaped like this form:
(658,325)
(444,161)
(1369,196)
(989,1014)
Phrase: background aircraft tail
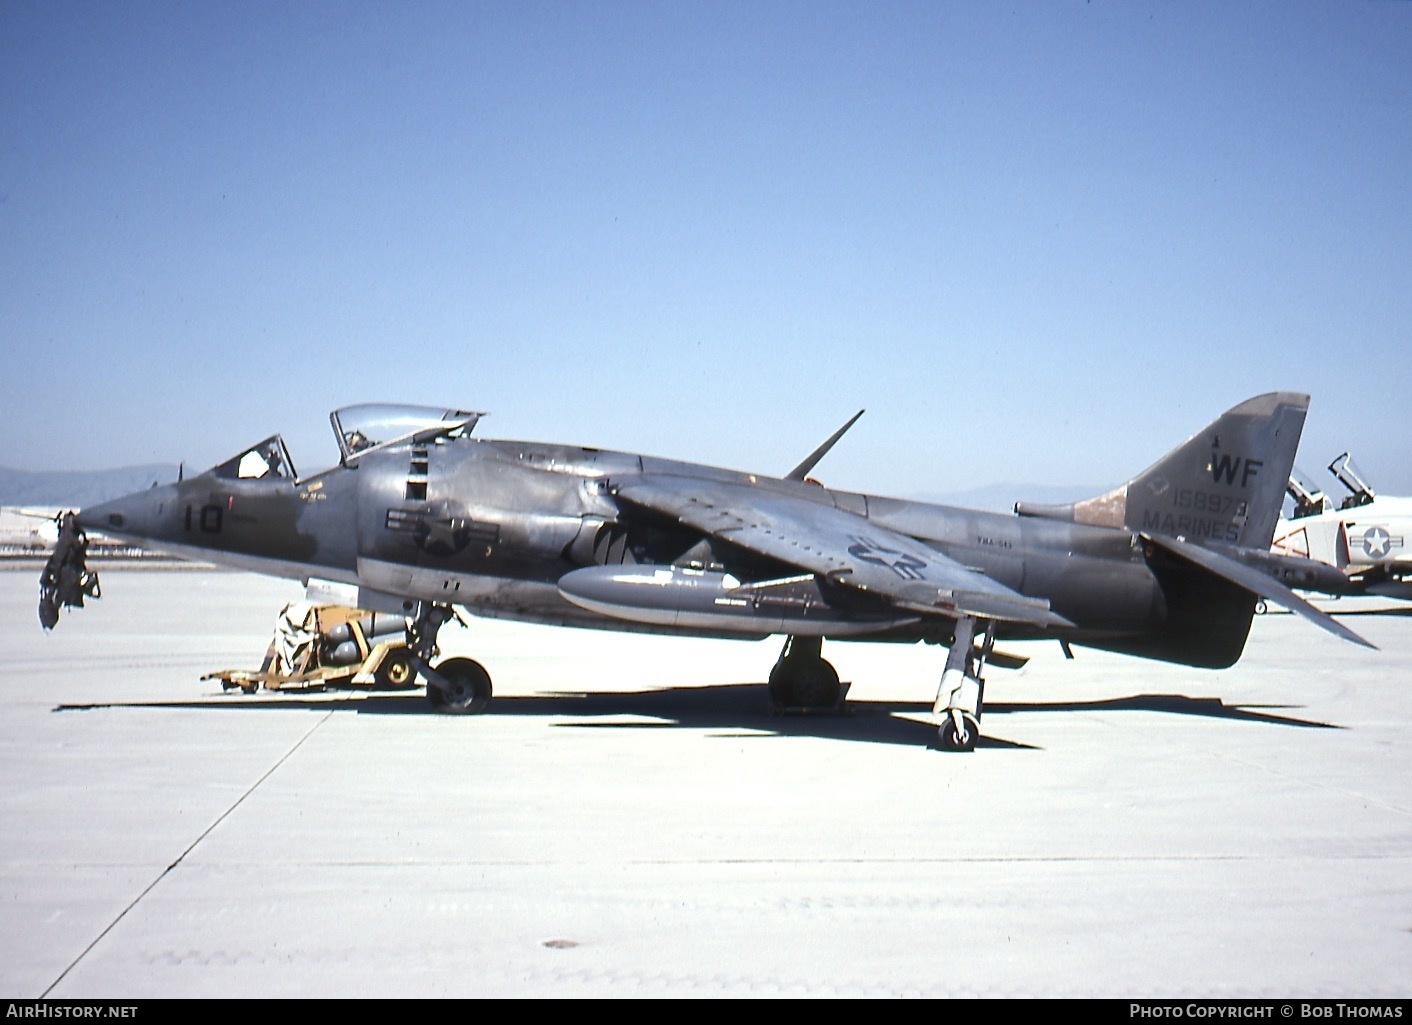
(1225,483)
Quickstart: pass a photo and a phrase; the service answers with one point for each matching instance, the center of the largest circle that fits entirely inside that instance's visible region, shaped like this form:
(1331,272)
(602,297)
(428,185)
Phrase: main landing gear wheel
(471,685)
(804,683)
(802,678)
(959,732)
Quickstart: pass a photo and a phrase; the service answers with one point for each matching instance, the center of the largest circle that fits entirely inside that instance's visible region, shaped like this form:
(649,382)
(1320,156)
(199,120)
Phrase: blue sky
(1040,242)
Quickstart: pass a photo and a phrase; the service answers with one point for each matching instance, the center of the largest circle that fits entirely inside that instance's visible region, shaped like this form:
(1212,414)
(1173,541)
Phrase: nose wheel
(455,686)
(467,690)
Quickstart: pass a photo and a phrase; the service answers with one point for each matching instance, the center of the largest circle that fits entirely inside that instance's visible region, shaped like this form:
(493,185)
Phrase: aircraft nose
(142,514)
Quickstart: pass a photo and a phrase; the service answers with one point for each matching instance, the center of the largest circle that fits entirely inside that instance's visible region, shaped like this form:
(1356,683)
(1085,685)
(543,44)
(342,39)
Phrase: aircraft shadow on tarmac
(1401,610)
(1332,608)
(731,709)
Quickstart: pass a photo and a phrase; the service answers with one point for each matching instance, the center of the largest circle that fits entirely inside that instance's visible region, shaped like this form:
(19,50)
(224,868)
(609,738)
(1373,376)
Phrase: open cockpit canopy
(269,460)
(366,428)
(1348,474)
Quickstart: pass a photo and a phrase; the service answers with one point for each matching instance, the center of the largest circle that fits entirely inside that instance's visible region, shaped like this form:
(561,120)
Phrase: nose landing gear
(455,686)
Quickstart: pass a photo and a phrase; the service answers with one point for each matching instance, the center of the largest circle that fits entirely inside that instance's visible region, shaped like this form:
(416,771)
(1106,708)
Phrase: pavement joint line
(182,857)
(1314,783)
(979,859)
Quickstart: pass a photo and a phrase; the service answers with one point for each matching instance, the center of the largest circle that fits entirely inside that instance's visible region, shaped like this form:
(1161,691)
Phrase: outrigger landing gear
(962,690)
(457,686)
(802,678)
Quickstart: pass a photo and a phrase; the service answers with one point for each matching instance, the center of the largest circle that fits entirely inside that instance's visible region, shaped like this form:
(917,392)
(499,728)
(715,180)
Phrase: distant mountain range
(77,489)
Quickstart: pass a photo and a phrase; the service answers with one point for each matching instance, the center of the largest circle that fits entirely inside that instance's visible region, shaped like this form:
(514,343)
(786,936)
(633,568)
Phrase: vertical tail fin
(1224,483)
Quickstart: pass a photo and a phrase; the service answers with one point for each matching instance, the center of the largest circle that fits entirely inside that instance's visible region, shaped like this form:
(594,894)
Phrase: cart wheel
(396,671)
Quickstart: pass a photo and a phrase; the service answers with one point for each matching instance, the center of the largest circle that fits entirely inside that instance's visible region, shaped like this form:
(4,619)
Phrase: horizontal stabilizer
(1256,582)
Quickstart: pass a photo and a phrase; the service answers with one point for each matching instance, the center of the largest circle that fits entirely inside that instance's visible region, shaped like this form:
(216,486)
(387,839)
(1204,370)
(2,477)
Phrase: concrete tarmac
(628,821)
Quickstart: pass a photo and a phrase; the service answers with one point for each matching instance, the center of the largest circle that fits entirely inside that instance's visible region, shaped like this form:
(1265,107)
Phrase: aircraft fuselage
(495,525)
(420,518)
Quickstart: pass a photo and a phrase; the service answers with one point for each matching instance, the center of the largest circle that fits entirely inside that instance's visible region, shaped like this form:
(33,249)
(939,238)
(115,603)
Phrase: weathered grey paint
(494,525)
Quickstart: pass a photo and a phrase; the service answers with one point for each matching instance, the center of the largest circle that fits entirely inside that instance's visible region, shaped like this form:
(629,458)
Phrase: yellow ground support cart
(322,646)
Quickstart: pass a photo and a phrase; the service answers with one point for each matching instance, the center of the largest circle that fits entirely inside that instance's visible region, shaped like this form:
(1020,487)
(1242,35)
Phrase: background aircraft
(1365,537)
(420,517)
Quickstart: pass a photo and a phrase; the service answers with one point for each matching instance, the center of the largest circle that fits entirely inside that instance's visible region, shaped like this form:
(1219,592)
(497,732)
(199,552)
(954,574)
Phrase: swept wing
(842,546)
